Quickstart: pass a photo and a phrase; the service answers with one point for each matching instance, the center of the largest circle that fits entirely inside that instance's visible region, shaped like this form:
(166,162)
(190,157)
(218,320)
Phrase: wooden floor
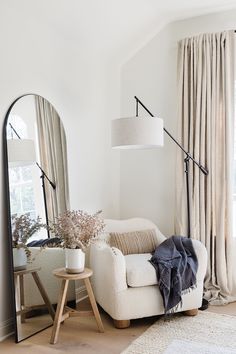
(80,335)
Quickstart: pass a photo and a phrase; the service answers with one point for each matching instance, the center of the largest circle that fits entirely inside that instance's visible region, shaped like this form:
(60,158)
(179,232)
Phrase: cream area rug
(206,333)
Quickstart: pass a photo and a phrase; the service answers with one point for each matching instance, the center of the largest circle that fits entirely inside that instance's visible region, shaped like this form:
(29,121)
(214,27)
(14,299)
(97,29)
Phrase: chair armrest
(201,253)
(109,268)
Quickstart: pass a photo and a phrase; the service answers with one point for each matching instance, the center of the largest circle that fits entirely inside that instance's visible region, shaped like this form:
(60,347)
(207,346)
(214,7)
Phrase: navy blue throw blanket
(48,242)
(176,265)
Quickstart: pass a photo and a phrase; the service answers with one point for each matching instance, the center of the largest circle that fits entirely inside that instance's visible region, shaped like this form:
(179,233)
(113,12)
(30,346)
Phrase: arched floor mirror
(37,192)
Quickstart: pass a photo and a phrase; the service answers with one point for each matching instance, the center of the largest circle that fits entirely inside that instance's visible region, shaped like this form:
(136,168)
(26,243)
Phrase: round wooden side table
(63,312)
(21,307)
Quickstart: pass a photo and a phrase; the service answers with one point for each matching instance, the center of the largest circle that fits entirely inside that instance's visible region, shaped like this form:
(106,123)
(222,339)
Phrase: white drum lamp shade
(137,133)
(21,152)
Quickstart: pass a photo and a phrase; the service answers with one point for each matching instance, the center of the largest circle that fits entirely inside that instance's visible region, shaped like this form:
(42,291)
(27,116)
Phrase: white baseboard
(6,329)
(80,293)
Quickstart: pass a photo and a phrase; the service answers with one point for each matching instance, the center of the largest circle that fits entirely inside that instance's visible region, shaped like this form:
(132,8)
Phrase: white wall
(148,177)
(147,184)
(83,86)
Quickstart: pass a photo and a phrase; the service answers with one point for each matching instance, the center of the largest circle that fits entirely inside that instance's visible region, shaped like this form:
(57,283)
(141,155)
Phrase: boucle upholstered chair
(126,286)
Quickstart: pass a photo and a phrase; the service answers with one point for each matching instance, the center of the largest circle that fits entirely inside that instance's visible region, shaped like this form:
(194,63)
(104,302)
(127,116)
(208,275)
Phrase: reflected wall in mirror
(37,185)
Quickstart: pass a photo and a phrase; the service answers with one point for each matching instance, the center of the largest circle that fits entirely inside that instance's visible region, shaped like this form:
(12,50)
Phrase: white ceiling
(111,25)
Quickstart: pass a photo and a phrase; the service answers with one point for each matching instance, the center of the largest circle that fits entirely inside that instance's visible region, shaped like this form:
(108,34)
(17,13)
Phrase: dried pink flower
(77,229)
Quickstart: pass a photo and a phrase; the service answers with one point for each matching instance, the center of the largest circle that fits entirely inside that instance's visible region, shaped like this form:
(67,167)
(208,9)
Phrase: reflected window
(22,191)
(20,177)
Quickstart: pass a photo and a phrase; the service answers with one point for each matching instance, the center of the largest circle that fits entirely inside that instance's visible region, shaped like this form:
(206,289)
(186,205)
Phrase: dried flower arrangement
(77,229)
(23,227)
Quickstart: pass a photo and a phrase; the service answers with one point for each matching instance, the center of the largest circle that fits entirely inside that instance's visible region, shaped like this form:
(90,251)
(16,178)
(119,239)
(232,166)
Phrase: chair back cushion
(144,241)
(127,226)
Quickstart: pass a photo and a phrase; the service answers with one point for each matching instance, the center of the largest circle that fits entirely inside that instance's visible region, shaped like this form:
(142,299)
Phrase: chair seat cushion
(139,271)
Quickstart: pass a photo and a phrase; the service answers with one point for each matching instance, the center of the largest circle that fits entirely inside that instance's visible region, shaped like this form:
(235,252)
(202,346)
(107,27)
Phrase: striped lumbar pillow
(144,241)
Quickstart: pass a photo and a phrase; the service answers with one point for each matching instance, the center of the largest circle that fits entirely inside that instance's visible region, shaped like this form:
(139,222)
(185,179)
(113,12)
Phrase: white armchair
(126,286)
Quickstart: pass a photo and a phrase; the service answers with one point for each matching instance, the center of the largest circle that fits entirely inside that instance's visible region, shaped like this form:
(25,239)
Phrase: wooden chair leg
(59,311)
(121,324)
(93,304)
(192,312)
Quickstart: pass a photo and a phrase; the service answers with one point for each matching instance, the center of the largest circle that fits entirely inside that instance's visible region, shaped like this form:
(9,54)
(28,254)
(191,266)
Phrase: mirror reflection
(38,193)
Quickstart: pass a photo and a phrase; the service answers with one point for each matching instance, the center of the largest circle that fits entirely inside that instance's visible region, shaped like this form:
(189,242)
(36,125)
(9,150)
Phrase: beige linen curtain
(53,156)
(206,119)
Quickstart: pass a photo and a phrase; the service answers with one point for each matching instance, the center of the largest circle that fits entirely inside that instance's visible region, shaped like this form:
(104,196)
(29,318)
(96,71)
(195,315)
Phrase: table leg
(18,300)
(93,304)
(43,294)
(22,298)
(59,311)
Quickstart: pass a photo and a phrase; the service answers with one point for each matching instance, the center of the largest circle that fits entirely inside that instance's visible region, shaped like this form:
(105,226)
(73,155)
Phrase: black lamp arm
(188,155)
(44,174)
(13,129)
